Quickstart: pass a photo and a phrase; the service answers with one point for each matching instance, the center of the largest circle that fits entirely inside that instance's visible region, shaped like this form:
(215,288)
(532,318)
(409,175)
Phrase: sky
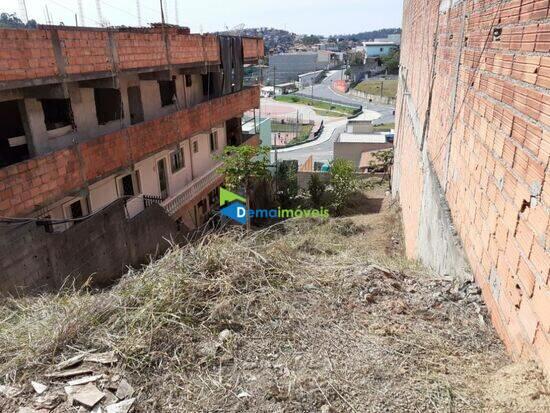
(325,17)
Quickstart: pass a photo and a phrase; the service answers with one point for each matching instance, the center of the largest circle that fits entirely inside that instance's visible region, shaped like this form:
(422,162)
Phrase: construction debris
(73,361)
(88,396)
(38,387)
(122,407)
(103,358)
(84,380)
(10,391)
(124,390)
(69,373)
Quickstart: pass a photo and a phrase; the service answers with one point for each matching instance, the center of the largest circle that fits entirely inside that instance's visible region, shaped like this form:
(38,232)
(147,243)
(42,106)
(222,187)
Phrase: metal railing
(174,203)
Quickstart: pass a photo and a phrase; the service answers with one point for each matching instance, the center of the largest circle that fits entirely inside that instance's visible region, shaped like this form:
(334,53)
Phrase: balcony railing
(176,202)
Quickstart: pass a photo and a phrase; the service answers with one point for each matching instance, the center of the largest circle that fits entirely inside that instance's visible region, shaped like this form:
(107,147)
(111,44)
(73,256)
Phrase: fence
(373,98)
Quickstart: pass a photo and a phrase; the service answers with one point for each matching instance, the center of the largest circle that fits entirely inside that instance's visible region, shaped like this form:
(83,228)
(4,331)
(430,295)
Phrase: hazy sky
(300,16)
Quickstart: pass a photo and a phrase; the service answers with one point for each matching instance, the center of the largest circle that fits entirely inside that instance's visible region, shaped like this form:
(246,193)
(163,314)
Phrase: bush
(343,182)
(316,189)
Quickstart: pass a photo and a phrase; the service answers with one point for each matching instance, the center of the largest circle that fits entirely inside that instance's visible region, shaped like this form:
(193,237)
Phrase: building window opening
(214,141)
(57,113)
(188,80)
(108,105)
(177,160)
(167,92)
(214,197)
(13,143)
(127,184)
(196,147)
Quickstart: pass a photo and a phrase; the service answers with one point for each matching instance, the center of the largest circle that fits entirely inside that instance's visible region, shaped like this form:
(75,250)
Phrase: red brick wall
(488,140)
(26,54)
(29,54)
(30,185)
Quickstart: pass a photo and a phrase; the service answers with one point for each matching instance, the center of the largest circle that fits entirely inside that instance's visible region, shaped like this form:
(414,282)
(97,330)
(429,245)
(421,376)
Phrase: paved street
(322,148)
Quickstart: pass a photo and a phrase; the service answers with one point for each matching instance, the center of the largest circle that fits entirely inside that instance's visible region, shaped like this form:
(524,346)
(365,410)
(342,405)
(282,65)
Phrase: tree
(316,189)
(11,20)
(343,182)
(241,166)
(287,183)
(384,161)
(311,40)
(391,61)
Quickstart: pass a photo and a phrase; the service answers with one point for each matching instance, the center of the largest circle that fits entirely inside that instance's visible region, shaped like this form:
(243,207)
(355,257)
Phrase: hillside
(308,315)
(366,36)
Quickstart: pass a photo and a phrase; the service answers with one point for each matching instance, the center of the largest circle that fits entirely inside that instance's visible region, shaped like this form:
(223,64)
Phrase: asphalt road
(322,148)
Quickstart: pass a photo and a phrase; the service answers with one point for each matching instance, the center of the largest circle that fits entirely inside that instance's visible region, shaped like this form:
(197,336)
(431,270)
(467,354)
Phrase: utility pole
(81,13)
(24,12)
(162,12)
(176,12)
(138,9)
(99,13)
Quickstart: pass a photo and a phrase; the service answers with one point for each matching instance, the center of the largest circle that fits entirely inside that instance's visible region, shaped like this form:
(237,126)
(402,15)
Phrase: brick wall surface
(475,78)
(27,54)
(35,183)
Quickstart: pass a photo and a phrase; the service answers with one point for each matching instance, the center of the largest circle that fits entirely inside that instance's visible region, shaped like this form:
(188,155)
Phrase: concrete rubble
(83,383)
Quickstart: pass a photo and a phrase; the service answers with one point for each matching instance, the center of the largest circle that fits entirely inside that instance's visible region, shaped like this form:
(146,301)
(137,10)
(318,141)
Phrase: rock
(102,358)
(10,391)
(110,398)
(70,362)
(39,388)
(243,395)
(124,390)
(70,391)
(326,409)
(69,373)
(225,335)
(122,407)
(84,380)
(98,409)
(88,396)
(26,410)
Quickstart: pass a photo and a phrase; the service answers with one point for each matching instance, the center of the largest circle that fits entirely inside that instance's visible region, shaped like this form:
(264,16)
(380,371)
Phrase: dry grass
(311,325)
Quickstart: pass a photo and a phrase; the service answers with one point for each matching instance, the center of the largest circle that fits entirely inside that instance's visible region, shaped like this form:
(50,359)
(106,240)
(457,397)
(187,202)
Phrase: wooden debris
(70,373)
(70,362)
(84,380)
(102,358)
(88,396)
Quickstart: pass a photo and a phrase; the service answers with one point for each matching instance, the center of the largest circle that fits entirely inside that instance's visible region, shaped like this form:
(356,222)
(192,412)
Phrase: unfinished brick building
(92,116)
(472,152)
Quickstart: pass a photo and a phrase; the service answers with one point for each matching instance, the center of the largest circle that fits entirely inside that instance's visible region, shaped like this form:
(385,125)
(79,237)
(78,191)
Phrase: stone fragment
(39,388)
(124,390)
(69,373)
(88,396)
(102,358)
(84,380)
(70,362)
(10,391)
(122,407)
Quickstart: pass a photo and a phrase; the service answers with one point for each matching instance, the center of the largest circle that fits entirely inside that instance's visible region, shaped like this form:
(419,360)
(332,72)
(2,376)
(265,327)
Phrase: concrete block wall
(473,139)
(33,184)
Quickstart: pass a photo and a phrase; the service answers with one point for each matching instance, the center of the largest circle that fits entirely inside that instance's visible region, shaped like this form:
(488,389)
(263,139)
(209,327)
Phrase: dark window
(188,80)
(167,92)
(13,144)
(57,113)
(128,186)
(381,49)
(213,141)
(213,197)
(177,160)
(108,105)
(196,147)
(76,209)
(207,84)
(46,223)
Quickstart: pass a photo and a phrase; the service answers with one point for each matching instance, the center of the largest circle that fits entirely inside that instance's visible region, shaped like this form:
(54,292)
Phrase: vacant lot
(380,87)
(306,316)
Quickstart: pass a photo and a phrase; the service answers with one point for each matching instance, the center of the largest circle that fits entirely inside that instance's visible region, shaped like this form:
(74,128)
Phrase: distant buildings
(286,67)
(382,47)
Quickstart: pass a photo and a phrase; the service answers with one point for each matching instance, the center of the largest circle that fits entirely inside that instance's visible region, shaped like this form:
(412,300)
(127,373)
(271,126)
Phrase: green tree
(287,183)
(241,166)
(11,20)
(343,182)
(316,189)
(384,160)
(311,40)
(391,61)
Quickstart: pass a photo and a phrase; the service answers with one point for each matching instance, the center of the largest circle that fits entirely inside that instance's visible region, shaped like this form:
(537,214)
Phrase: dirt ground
(340,322)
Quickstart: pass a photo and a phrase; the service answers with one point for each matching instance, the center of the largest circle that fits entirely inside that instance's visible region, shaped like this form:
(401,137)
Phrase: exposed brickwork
(488,140)
(28,55)
(30,185)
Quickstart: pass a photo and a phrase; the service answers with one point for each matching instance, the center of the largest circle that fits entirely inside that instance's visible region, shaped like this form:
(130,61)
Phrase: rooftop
(362,138)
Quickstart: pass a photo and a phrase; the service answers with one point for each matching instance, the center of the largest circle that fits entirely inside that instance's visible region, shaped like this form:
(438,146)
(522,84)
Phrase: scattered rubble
(81,383)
